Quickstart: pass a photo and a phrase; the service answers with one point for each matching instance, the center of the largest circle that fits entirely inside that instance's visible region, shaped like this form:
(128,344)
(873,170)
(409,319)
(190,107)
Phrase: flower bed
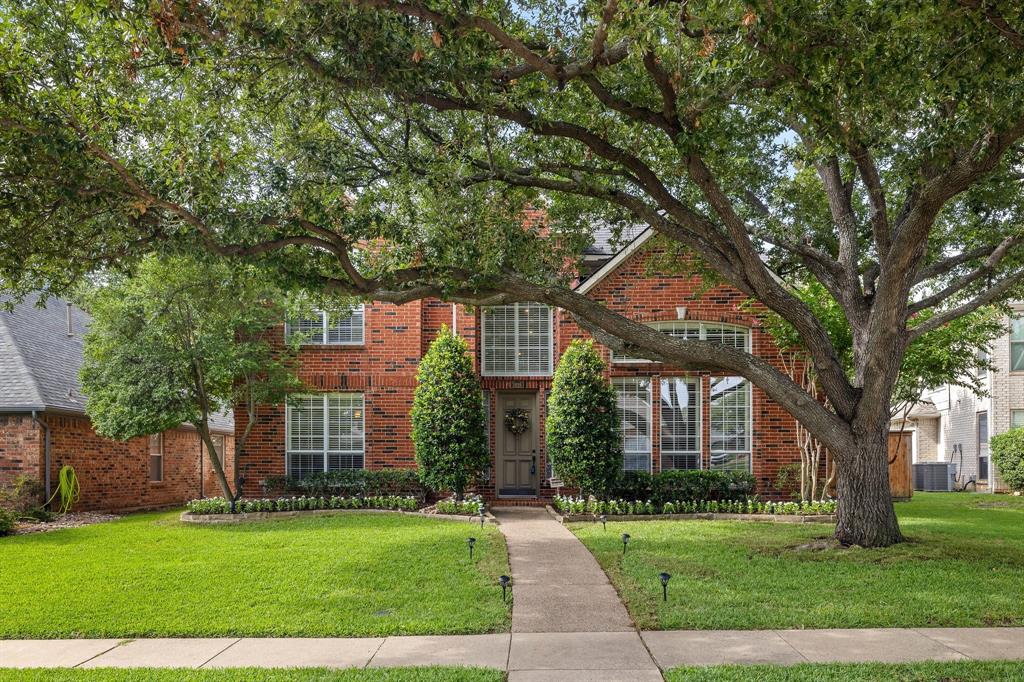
(471,505)
(219,505)
(576,506)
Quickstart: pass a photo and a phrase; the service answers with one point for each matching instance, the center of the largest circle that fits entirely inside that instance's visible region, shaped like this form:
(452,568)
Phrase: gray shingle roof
(40,360)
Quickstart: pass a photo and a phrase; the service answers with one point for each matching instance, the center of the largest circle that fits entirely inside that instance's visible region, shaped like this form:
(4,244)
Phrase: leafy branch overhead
(386,149)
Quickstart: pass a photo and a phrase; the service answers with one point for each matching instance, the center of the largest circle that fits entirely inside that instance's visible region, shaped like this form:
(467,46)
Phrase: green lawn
(965,671)
(255,675)
(962,566)
(349,575)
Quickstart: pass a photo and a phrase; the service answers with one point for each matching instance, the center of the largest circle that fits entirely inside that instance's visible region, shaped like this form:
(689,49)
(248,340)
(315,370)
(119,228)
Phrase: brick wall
(21,448)
(384,371)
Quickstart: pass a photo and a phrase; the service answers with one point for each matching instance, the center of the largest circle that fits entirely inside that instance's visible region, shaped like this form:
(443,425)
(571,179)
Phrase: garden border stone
(216,519)
(702,516)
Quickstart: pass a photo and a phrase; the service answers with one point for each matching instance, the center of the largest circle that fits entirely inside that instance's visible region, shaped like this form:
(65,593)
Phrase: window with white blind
(325,433)
(1017,344)
(156,458)
(517,340)
(680,423)
(330,328)
(634,408)
(730,422)
(691,330)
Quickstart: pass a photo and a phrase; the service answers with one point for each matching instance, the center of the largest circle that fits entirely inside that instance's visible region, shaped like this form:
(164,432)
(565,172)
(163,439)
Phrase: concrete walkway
(528,657)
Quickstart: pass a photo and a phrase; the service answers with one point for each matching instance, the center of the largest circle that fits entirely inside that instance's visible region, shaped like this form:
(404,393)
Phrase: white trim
(749,451)
(702,327)
(700,423)
(616,261)
(325,327)
(326,451)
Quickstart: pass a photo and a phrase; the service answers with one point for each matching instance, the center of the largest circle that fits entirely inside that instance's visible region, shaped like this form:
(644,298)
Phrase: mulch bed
(69,520)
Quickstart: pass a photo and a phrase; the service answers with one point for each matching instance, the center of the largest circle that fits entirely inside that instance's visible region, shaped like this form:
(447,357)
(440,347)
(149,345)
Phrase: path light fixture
(504,580)
(481,517)
(665,577)
(604,521)
(625,541)
(470,542)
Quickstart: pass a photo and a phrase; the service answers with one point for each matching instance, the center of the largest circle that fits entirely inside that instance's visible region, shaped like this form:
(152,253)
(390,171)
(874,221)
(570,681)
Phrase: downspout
(455,320)
(46,452)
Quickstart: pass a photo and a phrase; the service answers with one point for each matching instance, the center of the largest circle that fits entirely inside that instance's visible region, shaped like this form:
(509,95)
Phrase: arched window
(731,335)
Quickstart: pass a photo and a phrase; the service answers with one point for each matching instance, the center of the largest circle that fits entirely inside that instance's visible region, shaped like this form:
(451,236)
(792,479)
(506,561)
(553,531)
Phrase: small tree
(448,424)
(1007,451)
(582,427)
(179,341)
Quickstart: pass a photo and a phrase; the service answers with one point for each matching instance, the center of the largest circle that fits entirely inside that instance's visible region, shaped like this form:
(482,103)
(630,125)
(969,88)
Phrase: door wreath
(517,421)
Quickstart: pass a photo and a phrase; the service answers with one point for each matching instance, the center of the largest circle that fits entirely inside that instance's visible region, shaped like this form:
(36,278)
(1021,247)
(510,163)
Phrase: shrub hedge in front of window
(684,486)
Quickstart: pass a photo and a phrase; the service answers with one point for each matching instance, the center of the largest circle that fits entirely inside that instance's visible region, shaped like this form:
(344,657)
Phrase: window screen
(156,458)
(517,340)
(634,407)
(680,423)
(730,423)
(325,433)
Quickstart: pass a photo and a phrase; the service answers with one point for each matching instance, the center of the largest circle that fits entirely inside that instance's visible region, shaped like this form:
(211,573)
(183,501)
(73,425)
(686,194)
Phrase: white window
(730,423)
(330,329)
(713,332)
(634,407)
(218,448)
(680,423)
(983,360)
(1017,344)
(1016,419)
(156,458)
(325,433)
(517,340)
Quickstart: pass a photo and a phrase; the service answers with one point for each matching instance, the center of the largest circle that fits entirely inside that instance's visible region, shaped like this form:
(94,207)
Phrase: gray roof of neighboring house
(40,360)
(610,239)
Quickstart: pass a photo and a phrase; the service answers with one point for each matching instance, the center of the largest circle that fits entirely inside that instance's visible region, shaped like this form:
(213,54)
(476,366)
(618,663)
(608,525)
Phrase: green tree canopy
(448,425)
(179,341)
(874,147)
(583,437)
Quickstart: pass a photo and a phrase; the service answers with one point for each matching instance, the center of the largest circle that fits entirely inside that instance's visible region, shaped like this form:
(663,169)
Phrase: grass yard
(254,675)
(349,575)
(964,671)
(962,566)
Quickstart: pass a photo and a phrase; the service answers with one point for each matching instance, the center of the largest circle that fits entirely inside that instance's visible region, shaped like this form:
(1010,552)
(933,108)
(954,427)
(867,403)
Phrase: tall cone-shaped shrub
(582,427)
(448,426)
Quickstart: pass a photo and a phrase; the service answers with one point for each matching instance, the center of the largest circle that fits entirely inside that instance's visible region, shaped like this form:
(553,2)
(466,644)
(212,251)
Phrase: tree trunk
(218,467)
(865,513)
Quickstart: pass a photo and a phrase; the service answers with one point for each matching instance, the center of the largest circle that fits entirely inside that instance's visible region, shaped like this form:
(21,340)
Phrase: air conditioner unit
(935,476)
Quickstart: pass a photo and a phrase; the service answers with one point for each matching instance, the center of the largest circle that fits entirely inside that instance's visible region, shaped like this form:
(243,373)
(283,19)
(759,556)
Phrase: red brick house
(362,372)
(43,424)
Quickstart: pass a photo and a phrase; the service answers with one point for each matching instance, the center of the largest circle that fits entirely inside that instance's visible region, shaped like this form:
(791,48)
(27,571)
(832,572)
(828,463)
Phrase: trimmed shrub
(684,485)
(582,426)
(1007,452)
(219,505)
(448,426)
(348,483)
(619,507)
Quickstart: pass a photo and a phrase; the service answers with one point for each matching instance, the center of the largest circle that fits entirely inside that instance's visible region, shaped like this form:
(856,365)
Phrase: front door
(517,443)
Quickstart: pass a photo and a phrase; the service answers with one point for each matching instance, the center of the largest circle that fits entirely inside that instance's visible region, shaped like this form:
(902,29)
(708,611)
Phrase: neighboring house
(954,424)
(42,418)
(361,373)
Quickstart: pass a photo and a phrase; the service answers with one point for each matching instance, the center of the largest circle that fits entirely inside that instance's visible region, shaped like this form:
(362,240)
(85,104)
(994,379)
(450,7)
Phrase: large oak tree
(385,149)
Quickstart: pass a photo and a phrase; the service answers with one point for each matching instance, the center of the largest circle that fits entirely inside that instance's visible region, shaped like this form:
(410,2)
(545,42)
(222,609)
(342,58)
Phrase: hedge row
(218,505)
(579,505)
(349,483)
(684,485)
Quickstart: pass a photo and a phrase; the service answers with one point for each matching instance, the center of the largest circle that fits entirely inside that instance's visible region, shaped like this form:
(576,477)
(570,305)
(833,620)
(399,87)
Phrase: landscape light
(470,542)
(504,580)
(664,585)
(604,521)
(481,517)
(625,541)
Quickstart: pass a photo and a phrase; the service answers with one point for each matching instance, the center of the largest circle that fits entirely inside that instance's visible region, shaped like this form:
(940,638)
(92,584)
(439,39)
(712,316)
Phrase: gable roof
(615,260)
(40,359)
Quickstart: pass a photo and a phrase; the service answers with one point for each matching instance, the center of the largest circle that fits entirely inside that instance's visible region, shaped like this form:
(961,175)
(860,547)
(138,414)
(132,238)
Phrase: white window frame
(699,452)
(1016,325)
(983,454)
(158,453)
(544,372)
(326,451)
(223,448)
(618,383)
(749,451)
(678,328)
(1013,412)
(325,318)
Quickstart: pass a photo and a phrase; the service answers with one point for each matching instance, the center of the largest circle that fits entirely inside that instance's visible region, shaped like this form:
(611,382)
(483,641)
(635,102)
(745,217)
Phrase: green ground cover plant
(254,675)
(150,575)
(960,671)
(962,566)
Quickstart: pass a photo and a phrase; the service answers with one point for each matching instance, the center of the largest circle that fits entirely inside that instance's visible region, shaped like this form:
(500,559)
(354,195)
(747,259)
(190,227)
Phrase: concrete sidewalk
(598,656)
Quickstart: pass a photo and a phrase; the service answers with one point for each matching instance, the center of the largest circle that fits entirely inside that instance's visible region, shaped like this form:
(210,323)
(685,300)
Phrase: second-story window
(330,328)
(1017,344)
(517,340)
